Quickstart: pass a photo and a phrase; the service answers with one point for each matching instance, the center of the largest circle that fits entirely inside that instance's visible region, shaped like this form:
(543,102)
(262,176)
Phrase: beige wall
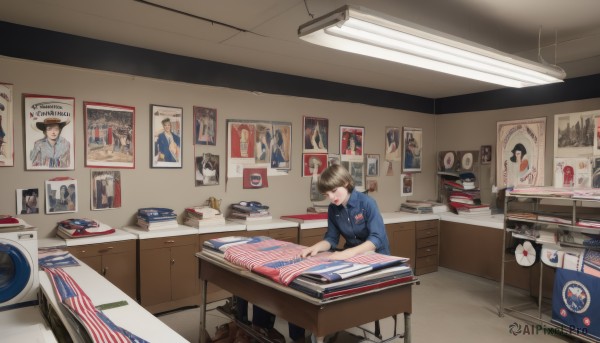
(469,131)
(175,188)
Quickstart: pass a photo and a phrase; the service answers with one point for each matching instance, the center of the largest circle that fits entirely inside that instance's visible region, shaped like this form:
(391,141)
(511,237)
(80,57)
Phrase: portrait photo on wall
(485,154)
(520,152)
(574,134)
(351,142)
(167,129)
(356,170)
(392,144)
(467,159)
(372,164)
(406,185)
(106,190)
(205,125)
(264,139)
(61,195)
(596,173)
(281,146)
(447,161)
(109,135)
(413,145)
(316,133)
(27,201)
(49,134)
(372,186)
(207,170)
(313,164)
(333,159)
(255,178)
(575,172)
(6,126)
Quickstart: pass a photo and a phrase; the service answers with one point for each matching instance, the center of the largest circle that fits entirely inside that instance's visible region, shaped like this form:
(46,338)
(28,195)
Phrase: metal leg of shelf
(203,311)
(540,295)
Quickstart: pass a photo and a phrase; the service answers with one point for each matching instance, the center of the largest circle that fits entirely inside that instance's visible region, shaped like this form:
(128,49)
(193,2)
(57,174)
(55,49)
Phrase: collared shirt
(358,222)
(53,156)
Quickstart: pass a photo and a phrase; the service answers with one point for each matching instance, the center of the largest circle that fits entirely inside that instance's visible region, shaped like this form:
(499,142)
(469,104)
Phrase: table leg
(407,327)
(203,311)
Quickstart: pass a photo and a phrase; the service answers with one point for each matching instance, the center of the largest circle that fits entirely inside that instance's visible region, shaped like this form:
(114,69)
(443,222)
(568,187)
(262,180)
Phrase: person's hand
(310,251)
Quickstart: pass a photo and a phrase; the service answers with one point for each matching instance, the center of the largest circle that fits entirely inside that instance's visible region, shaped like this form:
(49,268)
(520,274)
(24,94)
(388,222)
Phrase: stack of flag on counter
(249,211)
(203,216)
(78,228)
(152,218)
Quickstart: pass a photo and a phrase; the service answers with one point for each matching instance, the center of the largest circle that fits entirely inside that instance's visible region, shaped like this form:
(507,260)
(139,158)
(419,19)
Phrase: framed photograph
(520,152)
(255,178)
(313,164)
(106,190)
(467,159)
(109,135)
(167,129)
(413,145)
(49,134)
(447,161)
(575,172)
(351,143)
(27,201)
(205,125)
(7,139)
(392,144)
(61,196)
(281,146)
(372,186)
(316,132)
(574,134)
(356,170)
(372,164)
(406,185)
(207,170)
(264,139)
(485,154)
(333,159)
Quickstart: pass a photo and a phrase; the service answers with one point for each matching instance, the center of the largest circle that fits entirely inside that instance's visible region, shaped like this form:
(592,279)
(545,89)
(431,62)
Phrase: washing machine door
(15,272)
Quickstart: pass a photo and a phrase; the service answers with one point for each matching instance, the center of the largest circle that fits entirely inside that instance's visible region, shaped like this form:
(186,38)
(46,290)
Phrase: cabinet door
(287,234)
(184,272)
(94,262)
(155,276)
(402,240)
(120,270)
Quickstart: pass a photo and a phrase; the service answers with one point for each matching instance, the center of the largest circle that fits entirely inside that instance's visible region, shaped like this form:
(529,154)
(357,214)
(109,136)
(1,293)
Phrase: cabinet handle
(170,242)
(172,261)
(82,251)
(104,271)
(106,249)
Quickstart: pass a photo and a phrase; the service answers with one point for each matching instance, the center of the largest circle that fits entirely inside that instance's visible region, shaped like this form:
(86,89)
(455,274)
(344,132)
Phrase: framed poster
(106,190)
(49,134)
(7,139)
(575,172)
(313,164)
(316,133)
(372,164)
(61,196)
(467,159)
(392,144)
(264,138)
(207,170)
(356,170)
(255,178)
(406,185)
(520,152)
(27,201)
(167,124)
(485,154)
(205,125)
(351,143)
(281,146)
(109,135)
(574,134)
(413,145)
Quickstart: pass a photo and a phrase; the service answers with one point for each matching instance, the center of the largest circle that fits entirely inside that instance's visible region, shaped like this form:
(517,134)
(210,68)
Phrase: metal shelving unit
(533,204)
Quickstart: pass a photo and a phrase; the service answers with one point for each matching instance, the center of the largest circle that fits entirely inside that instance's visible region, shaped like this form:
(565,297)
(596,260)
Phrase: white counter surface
(181,230)
(495,221)
(269,224)
(118,235)
(402,217)
(227,227)
(25,324)
(131,317)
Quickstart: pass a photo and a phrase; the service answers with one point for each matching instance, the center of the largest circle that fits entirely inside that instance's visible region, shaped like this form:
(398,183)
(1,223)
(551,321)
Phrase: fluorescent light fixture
(368,33)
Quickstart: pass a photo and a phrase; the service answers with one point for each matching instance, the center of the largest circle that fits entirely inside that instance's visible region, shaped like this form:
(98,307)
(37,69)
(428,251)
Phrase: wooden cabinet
(116,261)
(402,240)
(168,273)
(308,237)
(426,246)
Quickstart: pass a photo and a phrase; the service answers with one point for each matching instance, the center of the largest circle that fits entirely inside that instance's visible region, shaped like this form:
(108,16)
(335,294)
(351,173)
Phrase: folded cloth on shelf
(76,228)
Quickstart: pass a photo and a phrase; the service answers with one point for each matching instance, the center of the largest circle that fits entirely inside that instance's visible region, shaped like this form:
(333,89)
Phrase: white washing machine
(19,280)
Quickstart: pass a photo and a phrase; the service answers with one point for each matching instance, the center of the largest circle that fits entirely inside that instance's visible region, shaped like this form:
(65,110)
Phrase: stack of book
(303,218)
(249,211)
(203,216)
(154,218)
(416,207)
(471,210)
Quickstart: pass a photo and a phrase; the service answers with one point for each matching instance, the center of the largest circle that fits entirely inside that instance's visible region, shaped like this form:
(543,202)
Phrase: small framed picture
(27,201)
(351,142)
(106,190)
(316,131)
(406,185)
(109,135)
(392,144)
(467,159)
(356,170)
(413,145)
(372,164)
(6,126)
(61,196)
(205,125)
(207,170)
(486,154)
(167,128)
(255,178)
(313,164)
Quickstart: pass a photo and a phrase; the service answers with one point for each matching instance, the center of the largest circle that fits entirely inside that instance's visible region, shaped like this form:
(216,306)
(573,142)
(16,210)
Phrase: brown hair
(333,177)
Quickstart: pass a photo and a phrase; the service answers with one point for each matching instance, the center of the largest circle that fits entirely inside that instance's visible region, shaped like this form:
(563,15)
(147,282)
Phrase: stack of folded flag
(152,218)
(10,221)
(249,211)
(78,228)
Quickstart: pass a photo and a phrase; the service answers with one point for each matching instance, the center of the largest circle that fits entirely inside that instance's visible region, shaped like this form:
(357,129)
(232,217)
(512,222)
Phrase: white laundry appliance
(19,276)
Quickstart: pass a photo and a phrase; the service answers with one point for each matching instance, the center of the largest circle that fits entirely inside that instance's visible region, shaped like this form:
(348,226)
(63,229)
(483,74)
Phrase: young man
(168,143)
(53,150)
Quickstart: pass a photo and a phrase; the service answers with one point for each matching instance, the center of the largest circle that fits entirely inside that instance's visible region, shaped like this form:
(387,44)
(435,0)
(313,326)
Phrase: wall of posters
(520,152)
(49,136)
(6,126)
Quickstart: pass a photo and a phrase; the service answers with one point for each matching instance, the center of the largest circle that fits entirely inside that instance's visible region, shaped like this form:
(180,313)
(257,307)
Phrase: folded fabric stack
(152,218)
(10,221)
(249,211)
(78,228)
(203,216)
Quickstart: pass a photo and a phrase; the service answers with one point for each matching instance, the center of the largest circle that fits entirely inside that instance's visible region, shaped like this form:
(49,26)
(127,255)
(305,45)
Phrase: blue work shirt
(358,222)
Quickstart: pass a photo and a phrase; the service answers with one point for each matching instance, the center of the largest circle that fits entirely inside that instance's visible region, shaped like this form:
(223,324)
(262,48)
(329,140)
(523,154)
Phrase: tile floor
(448,306)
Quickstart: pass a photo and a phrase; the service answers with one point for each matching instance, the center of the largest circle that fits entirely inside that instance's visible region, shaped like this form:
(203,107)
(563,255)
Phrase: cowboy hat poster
(49,134)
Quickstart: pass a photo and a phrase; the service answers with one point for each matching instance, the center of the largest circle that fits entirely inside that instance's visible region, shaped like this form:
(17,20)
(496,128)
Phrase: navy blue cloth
(358,222)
